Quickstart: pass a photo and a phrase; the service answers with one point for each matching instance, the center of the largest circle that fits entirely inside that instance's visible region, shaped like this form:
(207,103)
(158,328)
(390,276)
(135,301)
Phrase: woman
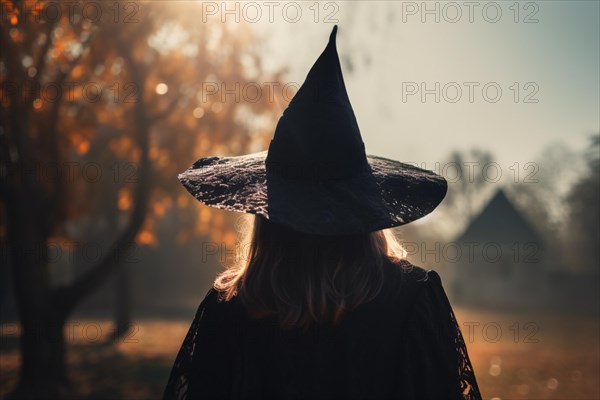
(325,306)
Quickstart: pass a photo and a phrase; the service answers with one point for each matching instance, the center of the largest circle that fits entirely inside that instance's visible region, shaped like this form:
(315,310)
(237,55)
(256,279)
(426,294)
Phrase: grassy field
(514,357)
(542,357)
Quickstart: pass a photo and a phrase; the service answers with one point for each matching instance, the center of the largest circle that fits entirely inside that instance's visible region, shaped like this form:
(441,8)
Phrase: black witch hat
(316,176)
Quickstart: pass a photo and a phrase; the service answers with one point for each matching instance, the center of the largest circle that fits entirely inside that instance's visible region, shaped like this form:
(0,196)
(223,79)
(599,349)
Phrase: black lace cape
(405,344)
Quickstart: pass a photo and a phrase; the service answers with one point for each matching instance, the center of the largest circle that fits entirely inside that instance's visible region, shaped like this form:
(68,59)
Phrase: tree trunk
(123,303)
(43,374)
(43,370)
(122,285)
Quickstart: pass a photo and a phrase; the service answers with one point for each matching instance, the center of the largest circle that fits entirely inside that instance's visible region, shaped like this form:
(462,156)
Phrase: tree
(584,214)
(465,172)
(150,98)
(540,190)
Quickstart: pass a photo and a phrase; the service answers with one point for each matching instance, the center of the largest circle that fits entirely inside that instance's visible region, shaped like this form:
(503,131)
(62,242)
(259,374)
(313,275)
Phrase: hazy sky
(554,61)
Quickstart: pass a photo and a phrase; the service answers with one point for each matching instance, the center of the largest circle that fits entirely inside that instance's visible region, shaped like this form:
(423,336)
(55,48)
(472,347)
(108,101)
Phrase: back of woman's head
(304,278)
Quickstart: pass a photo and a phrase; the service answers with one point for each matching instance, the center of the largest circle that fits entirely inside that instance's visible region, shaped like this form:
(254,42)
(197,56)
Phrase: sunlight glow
(162,88)
(168,38)
(198,112)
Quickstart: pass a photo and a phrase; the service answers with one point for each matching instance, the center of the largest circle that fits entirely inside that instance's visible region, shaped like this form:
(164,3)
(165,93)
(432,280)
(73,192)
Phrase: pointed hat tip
(333,33)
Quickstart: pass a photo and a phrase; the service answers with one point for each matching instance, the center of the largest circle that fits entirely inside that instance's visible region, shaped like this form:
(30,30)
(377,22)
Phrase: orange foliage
(124,199)
(102,132)
(146,237)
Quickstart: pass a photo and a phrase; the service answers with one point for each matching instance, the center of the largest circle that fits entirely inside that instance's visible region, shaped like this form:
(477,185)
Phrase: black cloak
(404,344)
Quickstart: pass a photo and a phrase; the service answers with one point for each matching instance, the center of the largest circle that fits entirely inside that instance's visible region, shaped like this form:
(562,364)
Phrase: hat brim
(391,194)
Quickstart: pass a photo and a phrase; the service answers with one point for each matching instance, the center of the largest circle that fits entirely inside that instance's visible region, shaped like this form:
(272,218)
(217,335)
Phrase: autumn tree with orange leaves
(99,114)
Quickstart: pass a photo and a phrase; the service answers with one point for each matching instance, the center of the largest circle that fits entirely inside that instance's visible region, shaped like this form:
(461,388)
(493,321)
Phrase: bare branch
(69,297)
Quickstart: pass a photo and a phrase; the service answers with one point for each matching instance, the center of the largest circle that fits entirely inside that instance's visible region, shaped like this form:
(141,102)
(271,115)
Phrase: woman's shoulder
(407,283)
(214,301)
(408,273)
(215,310)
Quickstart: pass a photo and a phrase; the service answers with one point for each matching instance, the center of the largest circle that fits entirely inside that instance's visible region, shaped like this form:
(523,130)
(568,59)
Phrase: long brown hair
(304,278)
